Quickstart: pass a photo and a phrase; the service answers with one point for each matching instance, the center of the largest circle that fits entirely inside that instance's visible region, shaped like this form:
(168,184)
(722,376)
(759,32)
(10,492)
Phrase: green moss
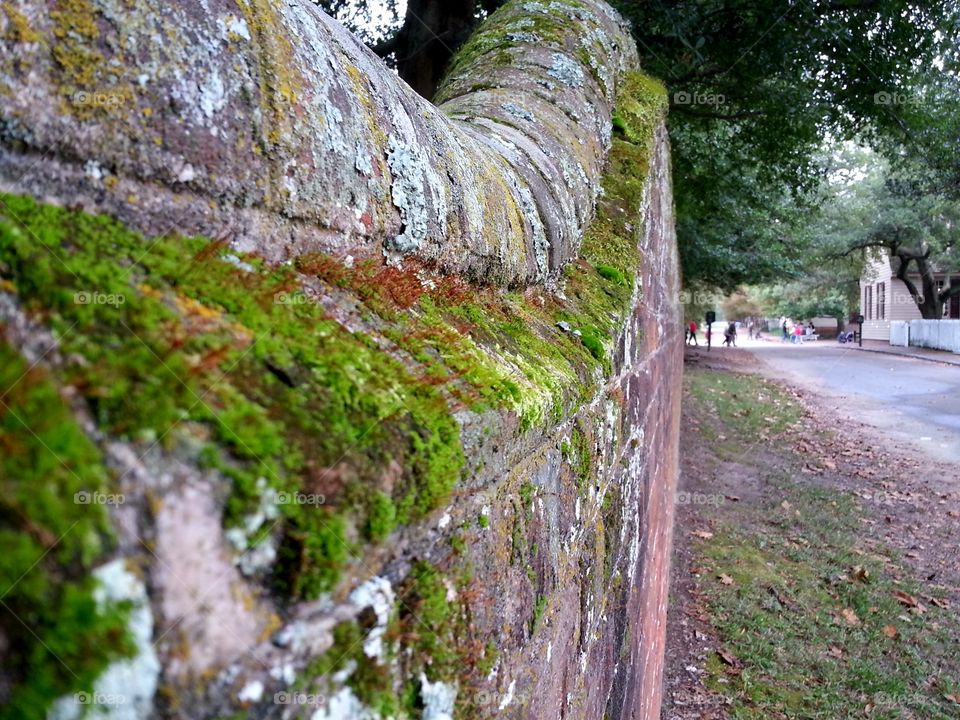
(504,351)
(382,518)
(483,520)
(591,340)
(371,681)
(287,394)
(612,274)
(579,453)
(432,619)
(527,492)
(53,529)
(539,608)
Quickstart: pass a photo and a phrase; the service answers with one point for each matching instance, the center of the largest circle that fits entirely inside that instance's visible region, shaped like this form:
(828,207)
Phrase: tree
(420,46)
(871,207)
(755,87)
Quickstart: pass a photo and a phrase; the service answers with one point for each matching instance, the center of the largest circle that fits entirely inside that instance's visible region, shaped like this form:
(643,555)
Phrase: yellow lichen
(18,26)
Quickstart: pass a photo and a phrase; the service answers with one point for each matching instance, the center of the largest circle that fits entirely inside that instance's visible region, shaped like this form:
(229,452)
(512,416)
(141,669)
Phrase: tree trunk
(927,296)
(931,308)
(432,32)
(269,124)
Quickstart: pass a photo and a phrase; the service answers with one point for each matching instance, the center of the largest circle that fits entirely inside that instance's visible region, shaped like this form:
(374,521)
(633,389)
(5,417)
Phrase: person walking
(730,335)
(783,326)
(693,334)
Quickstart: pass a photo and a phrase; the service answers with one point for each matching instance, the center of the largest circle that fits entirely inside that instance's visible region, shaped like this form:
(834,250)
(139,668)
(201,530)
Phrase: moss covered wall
(266,123)
(347,484)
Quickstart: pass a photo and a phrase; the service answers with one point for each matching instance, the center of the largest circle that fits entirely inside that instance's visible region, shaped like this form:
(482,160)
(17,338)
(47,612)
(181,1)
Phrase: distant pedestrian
(798,333)
(783,326)
(730,335)
(750,329)
(693,333)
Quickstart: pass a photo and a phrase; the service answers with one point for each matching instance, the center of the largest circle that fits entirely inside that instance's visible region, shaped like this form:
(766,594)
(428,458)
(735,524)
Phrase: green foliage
(53,528)
(755,87)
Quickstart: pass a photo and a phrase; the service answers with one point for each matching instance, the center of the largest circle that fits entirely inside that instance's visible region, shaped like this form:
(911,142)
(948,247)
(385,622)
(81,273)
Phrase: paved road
(911,399)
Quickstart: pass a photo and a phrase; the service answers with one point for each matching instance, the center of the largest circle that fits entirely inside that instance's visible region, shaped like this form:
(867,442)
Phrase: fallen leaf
(705,534)
(729,658)
(859,572)
(953,697)
(890,631)
(850,616)
(725,579)
(732,498)
(785,505)
(835,651)
(904,599)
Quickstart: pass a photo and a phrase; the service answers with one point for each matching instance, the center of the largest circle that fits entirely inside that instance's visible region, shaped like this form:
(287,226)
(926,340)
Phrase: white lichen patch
(438,699)
(566,70)
(126,688)
(251,692)
(408,169)
(508,697)
(233,27)
(522,36)
(344,706)
(541,244)
(377,594)
(518,111)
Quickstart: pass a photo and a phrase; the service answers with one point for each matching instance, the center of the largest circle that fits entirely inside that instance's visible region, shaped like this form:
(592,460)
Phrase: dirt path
(816,568)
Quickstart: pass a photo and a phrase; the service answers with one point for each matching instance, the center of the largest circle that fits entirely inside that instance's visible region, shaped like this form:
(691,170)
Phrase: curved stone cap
(268,124)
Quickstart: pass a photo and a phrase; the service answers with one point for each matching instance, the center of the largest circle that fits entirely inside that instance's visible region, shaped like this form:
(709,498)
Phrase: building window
(881,300)
(868,302)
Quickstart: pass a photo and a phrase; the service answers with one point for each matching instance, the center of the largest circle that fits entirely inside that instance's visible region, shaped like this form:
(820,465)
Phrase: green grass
(747,406)
(797,563)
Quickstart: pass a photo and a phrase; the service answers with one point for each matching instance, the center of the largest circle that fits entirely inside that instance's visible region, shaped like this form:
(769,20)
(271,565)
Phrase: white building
(883,298)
